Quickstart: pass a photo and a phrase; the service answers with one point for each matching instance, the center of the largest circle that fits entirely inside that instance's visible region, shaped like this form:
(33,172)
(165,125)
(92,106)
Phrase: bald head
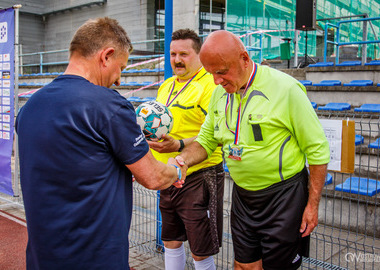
(223,55)
(222,43)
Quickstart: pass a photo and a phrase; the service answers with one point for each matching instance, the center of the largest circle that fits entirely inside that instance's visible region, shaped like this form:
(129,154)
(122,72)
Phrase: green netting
(278,16)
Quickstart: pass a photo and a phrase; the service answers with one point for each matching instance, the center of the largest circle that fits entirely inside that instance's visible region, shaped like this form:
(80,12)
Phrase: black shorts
(265,224)
(195,211)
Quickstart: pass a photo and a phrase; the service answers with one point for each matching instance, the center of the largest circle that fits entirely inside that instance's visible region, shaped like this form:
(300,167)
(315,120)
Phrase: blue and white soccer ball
(155,119)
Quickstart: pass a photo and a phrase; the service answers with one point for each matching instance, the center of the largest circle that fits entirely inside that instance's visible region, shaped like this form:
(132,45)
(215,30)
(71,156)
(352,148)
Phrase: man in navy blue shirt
(79,146)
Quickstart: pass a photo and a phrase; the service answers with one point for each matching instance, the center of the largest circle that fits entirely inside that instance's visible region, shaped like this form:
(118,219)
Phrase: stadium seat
(359,83)
(375,144)
(306,82)
(349,63)
(147,83)
(335,107)
(148,99)
(146,70)
(328,83)
(328,179)
(373,63)
(357,185)
(134,99)
(132,84)
(226,168)
(129,71)
(368,108)
(359,139)
(322,64)
(314,105)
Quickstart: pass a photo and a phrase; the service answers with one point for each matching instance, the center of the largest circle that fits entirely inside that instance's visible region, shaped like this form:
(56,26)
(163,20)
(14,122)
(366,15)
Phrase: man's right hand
(180,182)
(167,145)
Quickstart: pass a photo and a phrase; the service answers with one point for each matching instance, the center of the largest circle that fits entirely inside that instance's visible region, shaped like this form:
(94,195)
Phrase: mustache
(179,65)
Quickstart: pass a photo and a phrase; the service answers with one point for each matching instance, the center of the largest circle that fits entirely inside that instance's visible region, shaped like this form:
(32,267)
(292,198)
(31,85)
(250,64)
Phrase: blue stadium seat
(359,139)
(147,83)
(335,107)
(373,63)
(146,70)
(132,84)
(362,186)
(134,99)
(375,144)
(306,82)
(328,83)
(349,63)
(226,168)
(368,108)
(359,83)
(148,99)
(328,179)
(130,71)
(314,105)
(322,64)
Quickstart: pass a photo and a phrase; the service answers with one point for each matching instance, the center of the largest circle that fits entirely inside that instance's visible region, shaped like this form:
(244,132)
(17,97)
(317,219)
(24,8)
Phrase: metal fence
(348,234)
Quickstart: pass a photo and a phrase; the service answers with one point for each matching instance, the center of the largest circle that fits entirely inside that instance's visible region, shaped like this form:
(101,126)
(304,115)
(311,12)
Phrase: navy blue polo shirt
(75,139)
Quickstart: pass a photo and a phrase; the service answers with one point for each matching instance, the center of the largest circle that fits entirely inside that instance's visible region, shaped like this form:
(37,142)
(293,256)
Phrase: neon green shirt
(189,111)
(279,129)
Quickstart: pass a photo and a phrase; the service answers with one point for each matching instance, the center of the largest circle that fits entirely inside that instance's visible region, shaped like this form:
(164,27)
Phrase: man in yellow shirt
(195,212)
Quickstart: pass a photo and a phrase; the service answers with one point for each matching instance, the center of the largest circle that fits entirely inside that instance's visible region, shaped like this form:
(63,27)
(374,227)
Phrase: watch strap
(182,145)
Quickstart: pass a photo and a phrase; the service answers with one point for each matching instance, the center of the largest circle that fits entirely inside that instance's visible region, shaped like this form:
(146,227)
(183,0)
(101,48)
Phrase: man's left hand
(309,220)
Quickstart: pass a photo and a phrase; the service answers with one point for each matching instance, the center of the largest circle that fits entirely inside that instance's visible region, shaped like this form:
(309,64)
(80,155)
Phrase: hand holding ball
(155,119)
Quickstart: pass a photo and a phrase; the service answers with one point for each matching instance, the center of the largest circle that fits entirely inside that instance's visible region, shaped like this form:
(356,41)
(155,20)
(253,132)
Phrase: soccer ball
(155,119)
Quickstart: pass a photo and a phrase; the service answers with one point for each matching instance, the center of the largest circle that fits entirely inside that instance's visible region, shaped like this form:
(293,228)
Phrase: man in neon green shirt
(194,212)
(268,128)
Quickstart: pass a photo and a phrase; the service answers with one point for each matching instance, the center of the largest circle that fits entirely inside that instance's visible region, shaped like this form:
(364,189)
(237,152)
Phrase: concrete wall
(186,15)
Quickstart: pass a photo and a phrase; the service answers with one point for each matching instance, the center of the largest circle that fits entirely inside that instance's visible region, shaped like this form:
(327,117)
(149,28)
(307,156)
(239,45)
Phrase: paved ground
(12,249)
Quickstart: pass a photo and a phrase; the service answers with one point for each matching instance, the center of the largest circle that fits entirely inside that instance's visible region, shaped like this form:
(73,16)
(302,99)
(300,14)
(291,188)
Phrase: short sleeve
(125,136)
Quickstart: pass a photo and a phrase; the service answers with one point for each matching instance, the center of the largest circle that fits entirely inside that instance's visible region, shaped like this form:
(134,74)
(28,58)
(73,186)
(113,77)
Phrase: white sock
(175,259)
(206,264)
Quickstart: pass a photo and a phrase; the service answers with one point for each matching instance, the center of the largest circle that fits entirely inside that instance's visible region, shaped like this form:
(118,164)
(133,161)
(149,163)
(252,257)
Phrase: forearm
(316,183)
(153,174)
(193,154)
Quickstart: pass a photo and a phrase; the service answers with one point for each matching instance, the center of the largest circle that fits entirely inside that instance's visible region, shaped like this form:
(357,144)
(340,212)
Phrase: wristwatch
(181,145)
(179,173)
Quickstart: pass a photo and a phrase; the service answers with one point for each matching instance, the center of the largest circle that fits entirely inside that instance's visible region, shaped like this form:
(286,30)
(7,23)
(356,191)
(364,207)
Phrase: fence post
(364,46)
(41,61)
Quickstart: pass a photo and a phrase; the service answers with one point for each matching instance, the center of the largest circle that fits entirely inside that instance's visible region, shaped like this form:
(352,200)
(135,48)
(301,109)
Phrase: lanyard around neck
(237,129)
(168,101)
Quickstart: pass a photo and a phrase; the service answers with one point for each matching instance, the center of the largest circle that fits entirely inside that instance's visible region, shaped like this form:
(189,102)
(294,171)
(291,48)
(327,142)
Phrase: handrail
(338,43)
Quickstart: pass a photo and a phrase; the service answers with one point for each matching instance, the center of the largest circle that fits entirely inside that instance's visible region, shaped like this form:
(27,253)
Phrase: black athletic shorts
(195,211)
(265,224)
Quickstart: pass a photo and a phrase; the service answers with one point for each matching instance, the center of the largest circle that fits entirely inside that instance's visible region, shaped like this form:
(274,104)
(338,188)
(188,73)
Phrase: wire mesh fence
(348,234)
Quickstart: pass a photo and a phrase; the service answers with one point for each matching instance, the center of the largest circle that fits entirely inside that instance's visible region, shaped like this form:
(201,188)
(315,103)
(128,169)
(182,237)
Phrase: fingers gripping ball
(155,119)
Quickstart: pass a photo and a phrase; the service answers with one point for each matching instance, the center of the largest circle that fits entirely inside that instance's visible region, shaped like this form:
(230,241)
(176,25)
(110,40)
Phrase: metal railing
(338,43)
(44,59)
